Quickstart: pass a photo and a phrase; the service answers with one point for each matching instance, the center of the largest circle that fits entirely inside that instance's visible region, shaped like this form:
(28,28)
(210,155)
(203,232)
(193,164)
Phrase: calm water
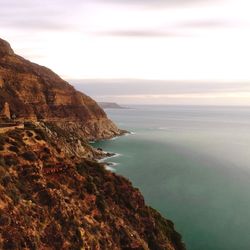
(193,165)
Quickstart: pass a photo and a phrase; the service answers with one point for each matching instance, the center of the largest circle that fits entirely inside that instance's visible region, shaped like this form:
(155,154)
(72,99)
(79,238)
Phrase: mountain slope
(54,195)
(36,93)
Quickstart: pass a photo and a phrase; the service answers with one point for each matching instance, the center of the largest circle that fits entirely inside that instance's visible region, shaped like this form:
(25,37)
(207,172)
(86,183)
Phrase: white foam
(110,168)
(163,128)
(129,133)
(112,164)
(113,138)
(108,157)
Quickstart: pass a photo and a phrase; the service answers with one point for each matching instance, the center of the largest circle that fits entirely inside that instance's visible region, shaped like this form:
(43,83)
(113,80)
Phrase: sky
(138,51)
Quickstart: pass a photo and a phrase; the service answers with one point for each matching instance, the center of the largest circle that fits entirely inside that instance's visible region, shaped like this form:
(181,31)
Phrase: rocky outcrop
(5,113)
(5,48)
(36,93)
(54,195)
(52,200)
(110,105)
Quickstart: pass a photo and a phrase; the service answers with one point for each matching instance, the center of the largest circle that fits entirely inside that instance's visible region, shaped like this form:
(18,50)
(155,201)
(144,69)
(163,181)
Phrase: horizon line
(155,79)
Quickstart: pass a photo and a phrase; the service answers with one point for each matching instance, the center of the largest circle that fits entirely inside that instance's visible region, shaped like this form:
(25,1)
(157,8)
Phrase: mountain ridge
(55,195)
(34,92)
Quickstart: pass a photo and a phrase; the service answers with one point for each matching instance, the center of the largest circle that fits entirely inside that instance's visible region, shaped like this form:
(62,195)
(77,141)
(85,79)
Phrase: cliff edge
(51,200)
(34,92)
(54,195)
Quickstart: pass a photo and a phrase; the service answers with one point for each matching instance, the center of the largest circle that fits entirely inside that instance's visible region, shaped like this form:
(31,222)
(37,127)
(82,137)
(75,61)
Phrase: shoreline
(105,155)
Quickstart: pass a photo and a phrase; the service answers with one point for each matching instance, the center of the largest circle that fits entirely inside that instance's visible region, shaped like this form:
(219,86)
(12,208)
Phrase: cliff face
(36,93)
(54,195)
(52,201)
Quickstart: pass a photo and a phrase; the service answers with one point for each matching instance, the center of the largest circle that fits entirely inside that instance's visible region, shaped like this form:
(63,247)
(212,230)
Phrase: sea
(192,164)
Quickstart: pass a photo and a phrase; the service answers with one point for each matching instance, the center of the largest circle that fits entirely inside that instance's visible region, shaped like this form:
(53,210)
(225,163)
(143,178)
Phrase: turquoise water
(193,165)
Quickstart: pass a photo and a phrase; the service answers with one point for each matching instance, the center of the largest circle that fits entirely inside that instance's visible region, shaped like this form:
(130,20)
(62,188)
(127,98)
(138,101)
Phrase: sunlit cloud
(162,92)
(139,33)
(239,98)
(202,42)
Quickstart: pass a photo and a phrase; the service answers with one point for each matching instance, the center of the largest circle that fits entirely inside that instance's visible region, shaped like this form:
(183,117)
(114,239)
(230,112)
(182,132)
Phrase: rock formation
(36,93)
(5,113)
(52,200)
(54,195)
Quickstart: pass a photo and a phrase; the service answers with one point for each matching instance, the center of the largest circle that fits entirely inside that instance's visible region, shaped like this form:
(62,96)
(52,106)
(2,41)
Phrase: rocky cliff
(54,195)
(51,200)
(36,93)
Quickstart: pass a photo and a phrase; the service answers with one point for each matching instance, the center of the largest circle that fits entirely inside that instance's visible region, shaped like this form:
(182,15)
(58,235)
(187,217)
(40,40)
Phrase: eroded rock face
(5,48)
(36,93)
(54,201)
(6,111)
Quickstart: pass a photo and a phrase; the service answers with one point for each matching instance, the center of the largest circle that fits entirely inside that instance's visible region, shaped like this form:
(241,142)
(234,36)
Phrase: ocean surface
(193,165)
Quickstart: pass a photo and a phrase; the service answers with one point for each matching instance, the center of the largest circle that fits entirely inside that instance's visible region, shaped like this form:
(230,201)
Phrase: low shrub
(10,160)
(2,140)
(90,185)
(29,156)
(38,137)
(14,143)
(14,134)
(41,134)
(100,203)
(29,134)
(13,149)
(4,219)
(29,125)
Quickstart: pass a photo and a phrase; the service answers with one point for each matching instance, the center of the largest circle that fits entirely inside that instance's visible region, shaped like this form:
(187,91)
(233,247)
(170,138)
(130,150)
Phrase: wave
(163,128)
(110,168)
(108,157)
(113,138)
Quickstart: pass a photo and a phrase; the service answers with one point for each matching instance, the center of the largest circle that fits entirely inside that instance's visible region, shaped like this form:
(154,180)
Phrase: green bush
(2,139)
(10,160)
(6,179)
(29,125)
(38,137)
(90,185)
(41,134)
(4,219)
(81,168)
(14,143)
(29,156)
(100,203)
(46,150)
(14,134)
(29,134)
(13,149)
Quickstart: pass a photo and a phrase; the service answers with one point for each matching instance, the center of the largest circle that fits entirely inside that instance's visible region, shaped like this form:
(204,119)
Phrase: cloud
(150,87)
(138,33)
(183,29)
(161,3)
(166,92)
(206,23)
(27,14)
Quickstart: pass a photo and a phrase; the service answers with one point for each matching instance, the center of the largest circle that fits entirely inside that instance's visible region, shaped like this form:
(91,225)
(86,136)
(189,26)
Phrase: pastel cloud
(199,41)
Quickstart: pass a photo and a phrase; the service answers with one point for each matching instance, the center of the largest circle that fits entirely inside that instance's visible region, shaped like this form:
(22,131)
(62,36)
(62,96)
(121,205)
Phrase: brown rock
(5,111)
(55,202)
(5,48)
(36,93)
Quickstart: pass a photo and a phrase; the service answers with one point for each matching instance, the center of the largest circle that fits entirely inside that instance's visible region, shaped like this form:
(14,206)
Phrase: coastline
(105,155)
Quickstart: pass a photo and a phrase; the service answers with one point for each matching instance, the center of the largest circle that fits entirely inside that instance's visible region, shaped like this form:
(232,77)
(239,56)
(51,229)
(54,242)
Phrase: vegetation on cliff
(49,200)
(54,195)
(33,92)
